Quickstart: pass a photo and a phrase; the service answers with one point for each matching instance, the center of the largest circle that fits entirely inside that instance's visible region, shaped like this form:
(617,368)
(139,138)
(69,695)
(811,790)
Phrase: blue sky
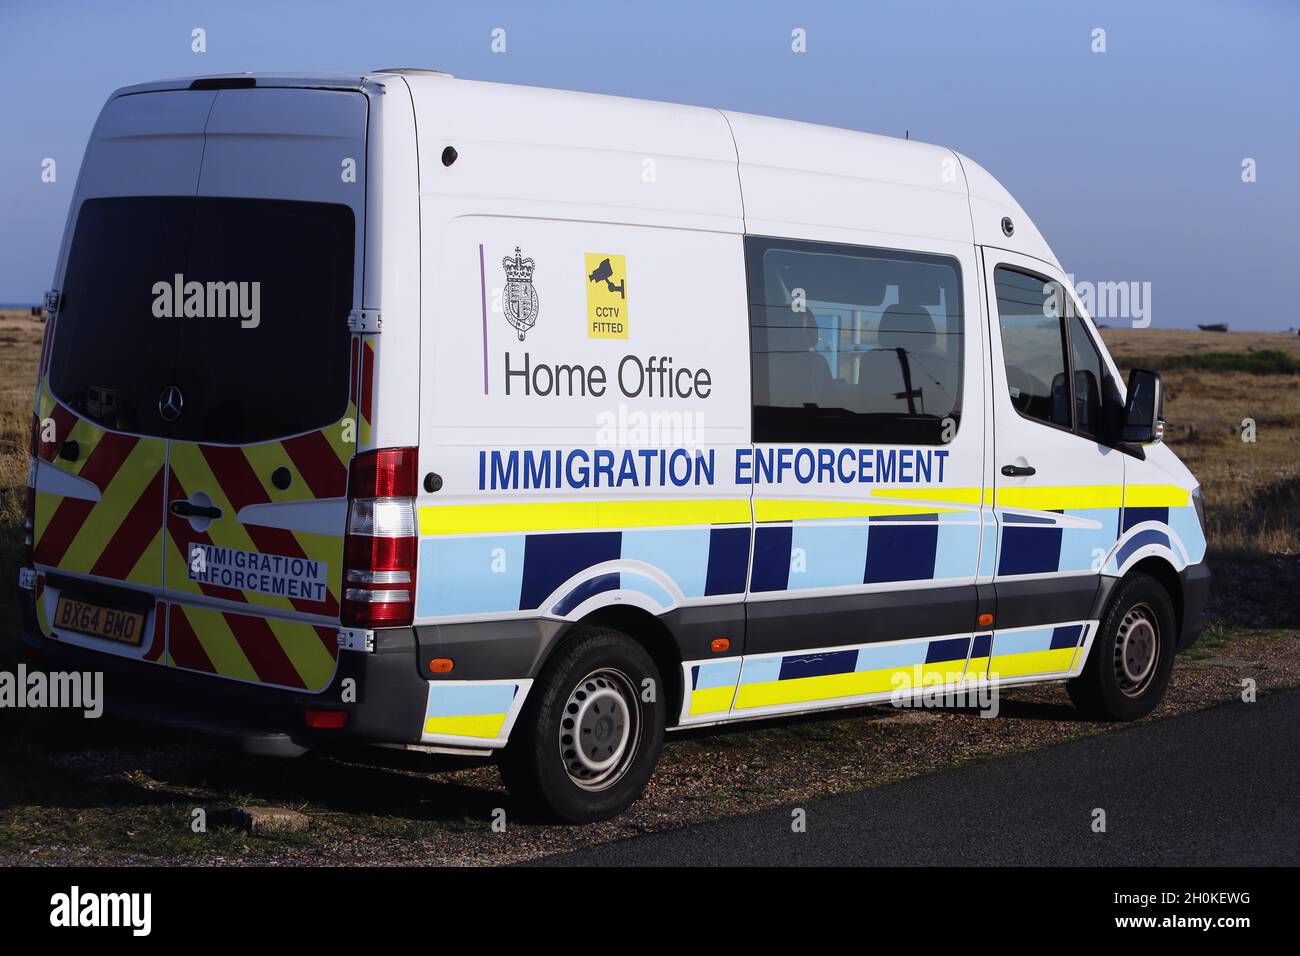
(1129,161)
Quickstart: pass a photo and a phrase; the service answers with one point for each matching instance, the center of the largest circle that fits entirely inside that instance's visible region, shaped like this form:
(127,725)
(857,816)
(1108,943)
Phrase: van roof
(801,180)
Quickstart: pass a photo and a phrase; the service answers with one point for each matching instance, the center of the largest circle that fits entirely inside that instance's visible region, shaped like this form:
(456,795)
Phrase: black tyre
(1132,656)
(587,740)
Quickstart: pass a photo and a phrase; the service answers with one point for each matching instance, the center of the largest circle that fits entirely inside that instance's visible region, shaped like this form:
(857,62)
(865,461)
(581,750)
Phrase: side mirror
(1144,408)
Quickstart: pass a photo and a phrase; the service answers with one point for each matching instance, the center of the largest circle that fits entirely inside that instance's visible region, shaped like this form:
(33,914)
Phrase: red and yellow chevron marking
(120,536)
(236,477)
(252,648)
(364,391)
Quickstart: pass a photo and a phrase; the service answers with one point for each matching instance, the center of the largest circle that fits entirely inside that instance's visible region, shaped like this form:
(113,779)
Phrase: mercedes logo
(170,403)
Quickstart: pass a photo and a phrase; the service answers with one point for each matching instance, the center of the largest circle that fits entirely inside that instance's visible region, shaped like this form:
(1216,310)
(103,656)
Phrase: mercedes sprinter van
(488,420)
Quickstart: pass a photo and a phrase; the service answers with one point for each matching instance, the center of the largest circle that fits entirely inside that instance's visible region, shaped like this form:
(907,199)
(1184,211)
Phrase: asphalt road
(1218,787)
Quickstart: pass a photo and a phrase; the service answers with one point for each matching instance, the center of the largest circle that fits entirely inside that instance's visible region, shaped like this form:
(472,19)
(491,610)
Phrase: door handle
(185,509)
(1018,471)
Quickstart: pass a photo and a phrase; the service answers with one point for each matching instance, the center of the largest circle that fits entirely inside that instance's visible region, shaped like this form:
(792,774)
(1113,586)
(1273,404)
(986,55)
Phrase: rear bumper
(1196,595)
(385,700)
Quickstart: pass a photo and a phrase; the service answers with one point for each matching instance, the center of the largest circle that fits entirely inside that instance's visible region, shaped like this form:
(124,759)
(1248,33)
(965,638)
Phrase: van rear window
(241,304)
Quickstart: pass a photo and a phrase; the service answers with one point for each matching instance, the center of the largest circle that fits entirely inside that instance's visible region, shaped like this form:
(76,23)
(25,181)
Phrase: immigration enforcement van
(478,419)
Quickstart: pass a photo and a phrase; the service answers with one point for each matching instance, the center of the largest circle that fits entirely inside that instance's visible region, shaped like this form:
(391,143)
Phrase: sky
(1130,161)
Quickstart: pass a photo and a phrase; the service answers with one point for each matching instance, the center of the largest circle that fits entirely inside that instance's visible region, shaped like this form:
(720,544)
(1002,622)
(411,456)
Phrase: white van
(474,418)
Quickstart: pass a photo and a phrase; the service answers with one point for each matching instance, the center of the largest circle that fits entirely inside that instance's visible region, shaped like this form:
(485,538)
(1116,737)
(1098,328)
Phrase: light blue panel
(681,553)
(1022,642)
(834,555)
(718,674)
(457,577)
(762,670)
(462,700)
(1185,524)
(892,655)
(956,553)
(1077,544)
(989,548)
(631,581)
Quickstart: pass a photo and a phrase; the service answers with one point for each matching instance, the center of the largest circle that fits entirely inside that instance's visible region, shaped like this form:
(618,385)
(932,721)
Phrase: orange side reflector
(326,719)
(720,644)
(985,620)
(441,665)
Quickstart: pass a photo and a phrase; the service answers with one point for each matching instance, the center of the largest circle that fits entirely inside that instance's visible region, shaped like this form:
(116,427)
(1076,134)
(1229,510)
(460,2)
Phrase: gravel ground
(132,804)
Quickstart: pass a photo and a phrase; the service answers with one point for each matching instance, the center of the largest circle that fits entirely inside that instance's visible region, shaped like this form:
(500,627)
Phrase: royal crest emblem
(520,302)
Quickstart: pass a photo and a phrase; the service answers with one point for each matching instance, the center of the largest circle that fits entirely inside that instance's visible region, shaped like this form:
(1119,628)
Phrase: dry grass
(1252,489)
(20,349)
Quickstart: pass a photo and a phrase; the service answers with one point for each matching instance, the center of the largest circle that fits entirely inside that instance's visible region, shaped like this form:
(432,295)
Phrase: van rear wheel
(1132,655)
(588,739)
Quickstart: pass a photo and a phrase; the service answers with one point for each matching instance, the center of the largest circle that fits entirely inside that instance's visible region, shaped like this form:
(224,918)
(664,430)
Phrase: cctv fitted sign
(607,309)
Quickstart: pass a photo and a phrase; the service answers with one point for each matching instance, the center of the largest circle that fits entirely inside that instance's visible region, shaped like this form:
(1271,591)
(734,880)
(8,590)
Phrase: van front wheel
(1132,655)
(591,730)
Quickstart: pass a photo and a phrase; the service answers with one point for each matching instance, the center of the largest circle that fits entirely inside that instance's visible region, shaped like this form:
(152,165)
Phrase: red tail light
(380,550)
(325,719)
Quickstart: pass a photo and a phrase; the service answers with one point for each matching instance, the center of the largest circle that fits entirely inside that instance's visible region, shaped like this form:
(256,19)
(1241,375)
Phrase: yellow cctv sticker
(607,314)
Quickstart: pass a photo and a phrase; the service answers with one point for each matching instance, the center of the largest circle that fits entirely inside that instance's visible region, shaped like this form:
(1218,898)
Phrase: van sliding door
(867,472)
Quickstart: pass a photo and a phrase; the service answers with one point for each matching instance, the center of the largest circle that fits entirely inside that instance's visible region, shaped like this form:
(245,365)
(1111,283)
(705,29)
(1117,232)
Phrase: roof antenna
(907,134)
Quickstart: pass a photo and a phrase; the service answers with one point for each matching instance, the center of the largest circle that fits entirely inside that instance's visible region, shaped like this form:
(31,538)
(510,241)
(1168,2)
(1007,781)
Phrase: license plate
(107,622)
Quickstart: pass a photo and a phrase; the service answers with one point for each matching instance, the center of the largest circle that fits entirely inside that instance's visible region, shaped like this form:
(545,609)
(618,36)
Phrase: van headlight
(1199,504)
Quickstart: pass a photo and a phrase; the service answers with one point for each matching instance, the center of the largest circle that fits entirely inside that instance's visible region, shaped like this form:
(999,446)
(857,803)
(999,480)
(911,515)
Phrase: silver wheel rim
(1137,650)
(600,729)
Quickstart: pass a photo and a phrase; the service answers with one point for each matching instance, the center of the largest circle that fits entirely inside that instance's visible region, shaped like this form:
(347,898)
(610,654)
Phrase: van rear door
(258,456)
(101,459)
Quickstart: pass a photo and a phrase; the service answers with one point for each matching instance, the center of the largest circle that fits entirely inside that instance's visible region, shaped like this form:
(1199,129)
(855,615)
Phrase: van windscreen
(241,304)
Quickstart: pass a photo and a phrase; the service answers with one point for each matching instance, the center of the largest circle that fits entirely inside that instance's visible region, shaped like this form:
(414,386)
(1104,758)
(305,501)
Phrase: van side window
(1094,389)
(1031,312)
(852,345)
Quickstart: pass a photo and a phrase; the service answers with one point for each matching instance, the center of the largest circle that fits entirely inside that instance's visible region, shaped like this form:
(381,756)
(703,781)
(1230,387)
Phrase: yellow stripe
(963,496)
(564,515)
(805,509)
(1054,498)
(334,435)
(1032,662)
(148,569)
(310,658)
(220,645)
(712,700)
(106,517)
(45,505)
(799,690)
(264,459)
(1156,496)
(977,668)
(473,725)
(87,437)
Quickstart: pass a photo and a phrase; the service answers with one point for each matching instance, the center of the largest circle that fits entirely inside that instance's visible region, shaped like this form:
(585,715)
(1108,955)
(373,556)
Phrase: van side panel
(585,381)
(390,368)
